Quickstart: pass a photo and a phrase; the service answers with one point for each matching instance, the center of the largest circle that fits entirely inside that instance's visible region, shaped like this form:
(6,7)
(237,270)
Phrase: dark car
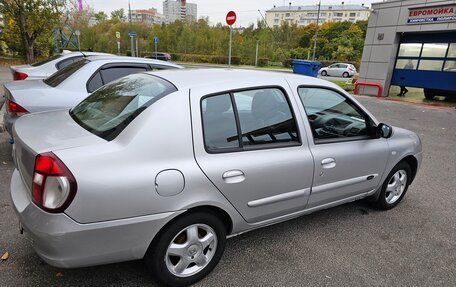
(160,56)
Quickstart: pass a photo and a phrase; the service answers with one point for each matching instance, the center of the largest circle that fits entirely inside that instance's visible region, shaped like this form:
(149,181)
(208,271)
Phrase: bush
(287,63)
(235,60)
(262,62)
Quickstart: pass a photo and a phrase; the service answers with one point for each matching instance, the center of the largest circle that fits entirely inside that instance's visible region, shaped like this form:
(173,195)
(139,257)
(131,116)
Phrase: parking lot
(350,245)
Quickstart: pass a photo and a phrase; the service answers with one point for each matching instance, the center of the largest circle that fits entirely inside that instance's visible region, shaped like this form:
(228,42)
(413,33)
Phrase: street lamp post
(316,32)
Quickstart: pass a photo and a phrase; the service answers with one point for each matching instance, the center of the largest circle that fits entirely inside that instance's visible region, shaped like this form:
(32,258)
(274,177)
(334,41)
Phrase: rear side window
(94,83)
(61,75)
(111,108)
(112,74)
(250,119)
(62,64)
(40,63)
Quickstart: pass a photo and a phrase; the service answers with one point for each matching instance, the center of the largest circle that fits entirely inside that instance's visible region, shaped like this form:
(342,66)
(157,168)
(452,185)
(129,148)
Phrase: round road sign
(230,18)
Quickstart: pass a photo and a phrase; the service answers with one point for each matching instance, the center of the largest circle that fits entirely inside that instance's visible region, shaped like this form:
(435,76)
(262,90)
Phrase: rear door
(349,160)
(250,145)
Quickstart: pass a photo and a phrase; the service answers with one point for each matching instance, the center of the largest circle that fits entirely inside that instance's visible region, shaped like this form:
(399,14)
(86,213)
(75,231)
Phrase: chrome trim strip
(342,183)
(279,197)
(272,221)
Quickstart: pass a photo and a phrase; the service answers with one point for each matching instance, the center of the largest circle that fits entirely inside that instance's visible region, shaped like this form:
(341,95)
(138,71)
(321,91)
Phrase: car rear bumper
(62,242)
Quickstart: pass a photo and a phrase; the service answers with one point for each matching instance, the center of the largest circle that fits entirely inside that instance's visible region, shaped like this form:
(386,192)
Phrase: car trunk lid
(46,132)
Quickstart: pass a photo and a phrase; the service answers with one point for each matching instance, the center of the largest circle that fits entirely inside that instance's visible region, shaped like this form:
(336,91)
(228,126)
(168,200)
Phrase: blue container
(308,68)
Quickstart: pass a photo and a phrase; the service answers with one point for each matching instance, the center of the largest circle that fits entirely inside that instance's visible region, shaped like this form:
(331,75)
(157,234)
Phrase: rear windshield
(46,61)
(61,75)
(111,108)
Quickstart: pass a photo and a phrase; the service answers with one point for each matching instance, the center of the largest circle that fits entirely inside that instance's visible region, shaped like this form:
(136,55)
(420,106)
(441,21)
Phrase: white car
(338,70)
(70,85)
(47,67)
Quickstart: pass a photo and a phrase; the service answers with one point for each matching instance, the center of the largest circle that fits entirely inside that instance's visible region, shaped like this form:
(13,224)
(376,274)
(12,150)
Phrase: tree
(119,14)
(32,20)
(101,16)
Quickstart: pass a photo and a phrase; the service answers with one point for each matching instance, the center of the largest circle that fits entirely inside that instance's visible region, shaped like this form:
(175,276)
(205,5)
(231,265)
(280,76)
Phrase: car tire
(324,73)
(345,75)
(199,238)
(395,186)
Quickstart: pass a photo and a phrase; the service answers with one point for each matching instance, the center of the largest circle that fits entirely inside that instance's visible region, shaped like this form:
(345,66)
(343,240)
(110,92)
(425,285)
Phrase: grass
(344,85)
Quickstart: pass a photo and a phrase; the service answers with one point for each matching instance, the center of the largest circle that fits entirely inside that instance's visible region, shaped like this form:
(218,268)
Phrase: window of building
(430,65)
(353,14)
(331,115)
(287,14)
(410,50)
(407,64)
(450,66)
(434,50)
(452,51)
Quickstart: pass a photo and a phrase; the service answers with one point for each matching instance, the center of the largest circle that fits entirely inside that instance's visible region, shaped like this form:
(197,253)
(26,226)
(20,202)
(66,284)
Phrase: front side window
(248,119)
(111,108)
(331,115)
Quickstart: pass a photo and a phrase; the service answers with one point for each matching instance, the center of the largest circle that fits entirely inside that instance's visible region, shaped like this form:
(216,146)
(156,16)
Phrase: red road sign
(230,18)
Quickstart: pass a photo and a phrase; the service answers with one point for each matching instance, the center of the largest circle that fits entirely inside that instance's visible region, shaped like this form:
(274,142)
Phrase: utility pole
(132,41)
(256,54)
(229,56)
(316,32)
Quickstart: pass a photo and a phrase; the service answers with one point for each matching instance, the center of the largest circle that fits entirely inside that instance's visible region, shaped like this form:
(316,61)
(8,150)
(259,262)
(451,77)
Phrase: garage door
(426,61)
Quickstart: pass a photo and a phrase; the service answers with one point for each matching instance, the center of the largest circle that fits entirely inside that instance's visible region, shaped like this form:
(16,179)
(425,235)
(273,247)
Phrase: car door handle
(328,163)
(233,176)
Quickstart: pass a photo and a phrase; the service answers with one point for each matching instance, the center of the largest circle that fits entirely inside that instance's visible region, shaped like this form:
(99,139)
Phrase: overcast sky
(246,10)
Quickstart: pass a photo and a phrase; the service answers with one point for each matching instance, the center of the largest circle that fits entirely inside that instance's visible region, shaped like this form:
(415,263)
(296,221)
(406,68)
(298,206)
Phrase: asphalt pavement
(351,245)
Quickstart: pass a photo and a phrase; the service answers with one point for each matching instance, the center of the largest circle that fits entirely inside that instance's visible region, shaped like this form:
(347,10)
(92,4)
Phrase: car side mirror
(384,131)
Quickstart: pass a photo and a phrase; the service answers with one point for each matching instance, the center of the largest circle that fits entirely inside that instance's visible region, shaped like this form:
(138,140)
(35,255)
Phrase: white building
(150,16)
(305,15)
(179,10)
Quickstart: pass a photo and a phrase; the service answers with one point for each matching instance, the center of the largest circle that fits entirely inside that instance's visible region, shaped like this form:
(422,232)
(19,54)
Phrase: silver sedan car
(70,85)
(165,165)
(47,67)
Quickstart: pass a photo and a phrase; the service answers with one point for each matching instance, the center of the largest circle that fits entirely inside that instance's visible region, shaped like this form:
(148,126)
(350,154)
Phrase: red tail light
(15,108)
(18,76)
(53,187)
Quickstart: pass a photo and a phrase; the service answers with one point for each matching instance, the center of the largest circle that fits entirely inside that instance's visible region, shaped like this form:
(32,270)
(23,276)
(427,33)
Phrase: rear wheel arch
(209,209)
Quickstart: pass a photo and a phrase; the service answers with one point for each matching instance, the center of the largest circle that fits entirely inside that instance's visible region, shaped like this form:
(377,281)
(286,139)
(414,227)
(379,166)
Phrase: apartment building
(179,10)
(149,16)
(305,15)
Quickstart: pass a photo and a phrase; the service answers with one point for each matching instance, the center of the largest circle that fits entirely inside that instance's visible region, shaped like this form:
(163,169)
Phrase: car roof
(117,59)
(213,77)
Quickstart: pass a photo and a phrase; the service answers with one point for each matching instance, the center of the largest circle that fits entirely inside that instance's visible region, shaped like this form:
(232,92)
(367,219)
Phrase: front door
(349,160)
(249,144)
